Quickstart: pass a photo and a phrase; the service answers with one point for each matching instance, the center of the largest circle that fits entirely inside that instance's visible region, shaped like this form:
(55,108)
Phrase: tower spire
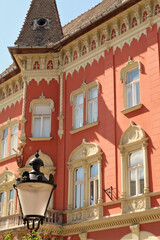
(42,25)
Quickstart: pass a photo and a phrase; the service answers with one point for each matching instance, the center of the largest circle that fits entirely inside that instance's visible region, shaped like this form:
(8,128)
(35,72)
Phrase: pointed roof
(42,25)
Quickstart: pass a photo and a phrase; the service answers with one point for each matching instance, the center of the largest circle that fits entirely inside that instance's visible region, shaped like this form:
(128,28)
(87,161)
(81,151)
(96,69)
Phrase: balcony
(16,221)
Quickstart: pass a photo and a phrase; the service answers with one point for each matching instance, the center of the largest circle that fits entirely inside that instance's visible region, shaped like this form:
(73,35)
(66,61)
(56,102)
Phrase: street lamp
(34,192)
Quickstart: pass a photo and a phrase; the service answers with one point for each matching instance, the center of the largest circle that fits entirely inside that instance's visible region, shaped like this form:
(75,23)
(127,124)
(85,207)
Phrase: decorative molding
(34,139)
(132,134)
(40,75)
(12,99)
(6,176)
(85,150)
(61,117)
(136,204)
(42,100)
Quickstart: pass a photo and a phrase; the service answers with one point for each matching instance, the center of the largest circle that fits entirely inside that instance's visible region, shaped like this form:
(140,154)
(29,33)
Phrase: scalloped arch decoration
(84,150)
(6,176)
(142,235)
(132,134)
(45,158)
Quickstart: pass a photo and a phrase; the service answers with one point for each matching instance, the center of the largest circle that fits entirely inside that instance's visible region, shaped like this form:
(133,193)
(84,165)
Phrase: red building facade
(87,96)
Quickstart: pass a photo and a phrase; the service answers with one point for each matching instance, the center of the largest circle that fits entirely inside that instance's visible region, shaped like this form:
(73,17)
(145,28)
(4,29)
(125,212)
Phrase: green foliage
(38,236)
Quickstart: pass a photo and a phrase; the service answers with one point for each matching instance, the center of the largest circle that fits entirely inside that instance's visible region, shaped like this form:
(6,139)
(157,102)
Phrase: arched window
(75,55)
(123,29)
(84,50)
(93,45)
(85,178)
(36,65)
(113,33)
(66,60)
(157,9)
(134,22)
(145,16)
(50,64)
(134,161)
(103,38)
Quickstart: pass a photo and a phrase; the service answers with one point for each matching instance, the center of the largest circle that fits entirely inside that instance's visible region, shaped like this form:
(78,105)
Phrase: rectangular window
(41,121)
(14,138)
(78,111)
(4,143)
(136,173)
(132,88)
(11,202)
(79,184)
(93,105)
(93,193)
(1,203)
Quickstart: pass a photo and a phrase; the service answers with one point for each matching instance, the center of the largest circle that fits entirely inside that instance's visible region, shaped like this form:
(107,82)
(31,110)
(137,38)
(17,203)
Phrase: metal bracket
(109,191)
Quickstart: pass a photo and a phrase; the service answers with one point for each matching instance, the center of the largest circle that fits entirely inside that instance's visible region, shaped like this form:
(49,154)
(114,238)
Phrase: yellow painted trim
(84,127)
(33,139)
(131,109)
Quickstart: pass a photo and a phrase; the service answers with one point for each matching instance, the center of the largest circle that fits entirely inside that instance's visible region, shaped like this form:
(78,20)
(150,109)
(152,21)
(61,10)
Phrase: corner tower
(42,25)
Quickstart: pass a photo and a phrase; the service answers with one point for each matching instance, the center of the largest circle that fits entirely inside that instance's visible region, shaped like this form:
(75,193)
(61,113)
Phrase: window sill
(8,157)
(84,127)
(131,109)
(33,139)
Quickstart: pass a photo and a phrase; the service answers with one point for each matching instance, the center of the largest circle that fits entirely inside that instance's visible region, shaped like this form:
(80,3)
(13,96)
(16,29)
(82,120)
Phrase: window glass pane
(136,158)
(15,129)
(132,182)
(5,133)
(81,116)
(91,193)
(77,196)
(46,127)
(42,109)
(129,96)
(11,195)
(79,174)
(81,195)
(37,127)
(93,93)
(137,93)
(141,179)
(94,170)
(2,197)
(132,75)
(79,99)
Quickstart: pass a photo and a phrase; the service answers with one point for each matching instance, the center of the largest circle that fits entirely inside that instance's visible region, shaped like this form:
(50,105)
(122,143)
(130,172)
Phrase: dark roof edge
(67,39)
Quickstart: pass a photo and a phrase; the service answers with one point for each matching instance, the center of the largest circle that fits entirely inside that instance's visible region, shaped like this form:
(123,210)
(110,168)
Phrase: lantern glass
(34,197)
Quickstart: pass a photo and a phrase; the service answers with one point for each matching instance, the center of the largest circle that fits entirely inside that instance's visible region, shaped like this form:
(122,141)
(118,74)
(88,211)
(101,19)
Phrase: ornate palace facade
(87,95)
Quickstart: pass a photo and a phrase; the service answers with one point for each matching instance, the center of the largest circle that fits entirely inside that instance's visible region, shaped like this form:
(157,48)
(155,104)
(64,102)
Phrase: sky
(13,13)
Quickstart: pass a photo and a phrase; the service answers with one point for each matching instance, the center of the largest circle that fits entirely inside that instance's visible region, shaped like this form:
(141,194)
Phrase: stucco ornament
(6,176)
(132,134)
(86,149)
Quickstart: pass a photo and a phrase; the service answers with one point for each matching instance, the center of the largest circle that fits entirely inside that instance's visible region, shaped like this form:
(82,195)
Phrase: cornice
(38,75)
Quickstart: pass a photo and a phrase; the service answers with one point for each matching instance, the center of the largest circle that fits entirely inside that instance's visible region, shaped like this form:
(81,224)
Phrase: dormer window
(40,23)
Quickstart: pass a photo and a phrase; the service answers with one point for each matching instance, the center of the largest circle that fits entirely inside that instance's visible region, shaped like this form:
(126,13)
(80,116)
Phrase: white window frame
(138,141)
(135,168)
(131,65)
(42,100)
(11,202)
(95,186)
(41,117)
(80,183)
(2,204)
(14,139)
(84,89)
(94,101)
(5,143)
